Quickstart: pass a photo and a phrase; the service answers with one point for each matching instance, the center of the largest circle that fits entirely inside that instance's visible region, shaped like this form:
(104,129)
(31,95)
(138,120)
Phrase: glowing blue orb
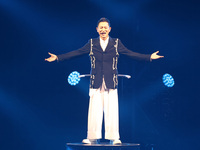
(168,80)
(73,78)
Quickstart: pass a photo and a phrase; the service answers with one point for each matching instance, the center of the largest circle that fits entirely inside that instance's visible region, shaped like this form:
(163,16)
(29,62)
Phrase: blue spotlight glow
(168,80)
(73,78)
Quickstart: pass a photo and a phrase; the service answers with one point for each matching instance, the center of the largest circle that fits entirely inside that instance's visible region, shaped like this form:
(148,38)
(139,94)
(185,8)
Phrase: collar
(106,41)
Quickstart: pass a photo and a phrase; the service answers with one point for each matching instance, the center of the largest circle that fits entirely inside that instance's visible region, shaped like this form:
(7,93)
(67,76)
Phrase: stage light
(73,78)
(168,80)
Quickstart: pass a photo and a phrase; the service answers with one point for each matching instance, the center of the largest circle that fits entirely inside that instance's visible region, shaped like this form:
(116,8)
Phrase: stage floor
(102,146)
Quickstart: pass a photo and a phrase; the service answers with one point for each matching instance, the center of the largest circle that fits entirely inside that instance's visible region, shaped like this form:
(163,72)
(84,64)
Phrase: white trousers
(106,101)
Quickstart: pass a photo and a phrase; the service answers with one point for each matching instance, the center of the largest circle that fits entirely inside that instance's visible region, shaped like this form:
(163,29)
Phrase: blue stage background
(39,110)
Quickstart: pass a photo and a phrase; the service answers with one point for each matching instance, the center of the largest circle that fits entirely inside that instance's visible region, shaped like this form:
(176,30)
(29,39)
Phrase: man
(104,53)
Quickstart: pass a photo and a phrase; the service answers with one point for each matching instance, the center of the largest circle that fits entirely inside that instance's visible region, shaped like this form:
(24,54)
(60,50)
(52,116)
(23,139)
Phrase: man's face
(103,29)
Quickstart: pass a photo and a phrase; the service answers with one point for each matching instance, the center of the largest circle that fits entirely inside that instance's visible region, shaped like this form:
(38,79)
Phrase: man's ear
(97,29)
(110,28)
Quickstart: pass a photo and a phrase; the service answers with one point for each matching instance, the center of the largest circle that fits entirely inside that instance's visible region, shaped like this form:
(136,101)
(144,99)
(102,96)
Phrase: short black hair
(103,20)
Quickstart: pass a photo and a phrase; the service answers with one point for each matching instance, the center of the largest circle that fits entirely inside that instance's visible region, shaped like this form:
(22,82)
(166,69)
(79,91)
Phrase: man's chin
(104,36)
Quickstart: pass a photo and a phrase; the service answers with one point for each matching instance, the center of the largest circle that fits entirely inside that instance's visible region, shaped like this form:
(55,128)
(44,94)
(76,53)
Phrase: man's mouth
(103,33)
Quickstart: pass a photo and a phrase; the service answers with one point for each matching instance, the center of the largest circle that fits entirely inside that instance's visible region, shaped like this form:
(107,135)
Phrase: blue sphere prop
(73,78)
(168,80)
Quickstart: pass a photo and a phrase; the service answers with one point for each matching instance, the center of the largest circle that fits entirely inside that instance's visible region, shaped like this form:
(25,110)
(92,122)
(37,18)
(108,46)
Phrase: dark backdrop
(40,110)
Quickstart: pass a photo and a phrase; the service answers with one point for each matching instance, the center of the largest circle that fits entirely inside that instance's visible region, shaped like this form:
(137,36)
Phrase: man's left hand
(155,56)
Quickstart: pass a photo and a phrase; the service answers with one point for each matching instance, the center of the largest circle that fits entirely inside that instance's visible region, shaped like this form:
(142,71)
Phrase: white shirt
(103,46)
(104,43)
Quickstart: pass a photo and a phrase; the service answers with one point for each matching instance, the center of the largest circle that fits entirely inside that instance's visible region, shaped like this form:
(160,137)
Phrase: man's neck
(104,39)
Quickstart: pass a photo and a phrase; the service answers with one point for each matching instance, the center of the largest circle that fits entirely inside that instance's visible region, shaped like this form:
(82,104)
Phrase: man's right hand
(52,58)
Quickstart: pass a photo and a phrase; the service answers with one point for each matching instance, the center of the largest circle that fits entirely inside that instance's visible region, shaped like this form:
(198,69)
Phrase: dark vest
(104,64)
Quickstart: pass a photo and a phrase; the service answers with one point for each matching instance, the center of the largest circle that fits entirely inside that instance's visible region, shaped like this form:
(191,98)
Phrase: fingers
(52,57)
(158,55)
(50,53)
(47,59)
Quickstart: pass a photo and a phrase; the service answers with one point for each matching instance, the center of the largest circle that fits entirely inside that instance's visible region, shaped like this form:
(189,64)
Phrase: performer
(104,53)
